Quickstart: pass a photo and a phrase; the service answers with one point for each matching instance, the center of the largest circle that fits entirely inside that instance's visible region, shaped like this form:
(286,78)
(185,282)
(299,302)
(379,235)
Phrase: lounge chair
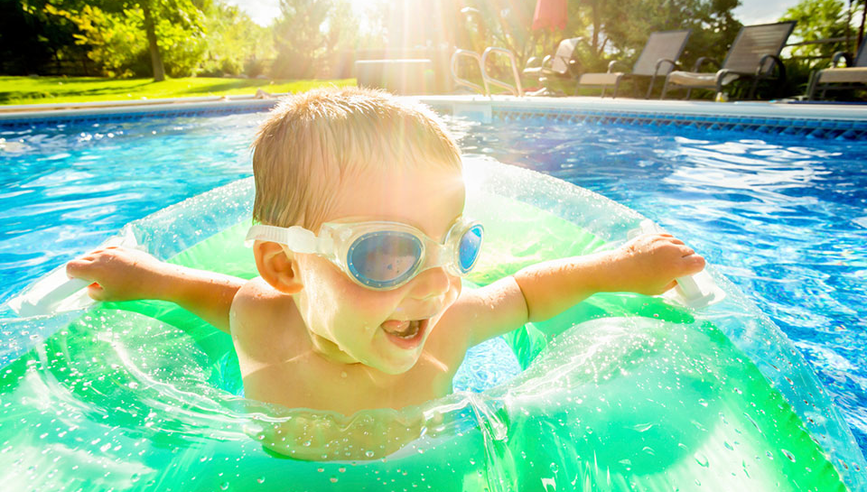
(754,54)
(853,76)
(560,65)
(659,57)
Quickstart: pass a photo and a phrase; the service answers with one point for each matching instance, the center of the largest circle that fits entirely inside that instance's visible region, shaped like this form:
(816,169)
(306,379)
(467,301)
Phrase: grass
(36,90)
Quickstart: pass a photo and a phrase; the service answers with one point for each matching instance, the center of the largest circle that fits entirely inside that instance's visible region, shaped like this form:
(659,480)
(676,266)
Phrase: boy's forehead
(429,199)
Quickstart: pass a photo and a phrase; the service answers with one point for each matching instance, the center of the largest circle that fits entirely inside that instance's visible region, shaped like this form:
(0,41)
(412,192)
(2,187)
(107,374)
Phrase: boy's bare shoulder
(254,301)
(452,336)
(258,320)
(485,312)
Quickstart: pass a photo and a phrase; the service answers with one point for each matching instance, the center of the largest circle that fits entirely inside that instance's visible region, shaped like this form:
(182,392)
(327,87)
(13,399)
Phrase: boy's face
(364,323)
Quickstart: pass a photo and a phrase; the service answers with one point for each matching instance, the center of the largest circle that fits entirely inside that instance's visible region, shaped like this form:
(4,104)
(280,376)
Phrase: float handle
(695,291)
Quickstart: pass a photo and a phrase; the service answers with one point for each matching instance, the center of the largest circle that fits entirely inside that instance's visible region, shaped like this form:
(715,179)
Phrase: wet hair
(314,142)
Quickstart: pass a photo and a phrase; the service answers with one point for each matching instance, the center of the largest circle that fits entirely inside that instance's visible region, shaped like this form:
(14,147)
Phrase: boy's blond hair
(312,143)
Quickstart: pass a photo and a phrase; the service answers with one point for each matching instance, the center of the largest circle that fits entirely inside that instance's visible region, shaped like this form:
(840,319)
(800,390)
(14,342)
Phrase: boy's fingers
(669,286)
(77,269)
(695,263)
(687,251)
(96,292)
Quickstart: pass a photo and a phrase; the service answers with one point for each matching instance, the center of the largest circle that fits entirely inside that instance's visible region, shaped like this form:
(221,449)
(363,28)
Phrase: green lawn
(35,90)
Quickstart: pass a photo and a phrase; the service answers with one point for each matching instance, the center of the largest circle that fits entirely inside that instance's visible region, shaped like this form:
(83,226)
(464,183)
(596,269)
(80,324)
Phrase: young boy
(363,307)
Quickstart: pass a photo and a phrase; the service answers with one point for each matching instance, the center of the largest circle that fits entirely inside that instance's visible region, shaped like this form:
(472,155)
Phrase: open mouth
(405,334)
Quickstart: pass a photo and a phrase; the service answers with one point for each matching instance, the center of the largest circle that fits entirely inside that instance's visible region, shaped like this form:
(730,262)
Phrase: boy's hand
(119,274)
(649,264)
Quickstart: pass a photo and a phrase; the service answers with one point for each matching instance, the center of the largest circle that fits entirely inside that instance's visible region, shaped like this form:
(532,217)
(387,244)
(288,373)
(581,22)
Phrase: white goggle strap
(296,238)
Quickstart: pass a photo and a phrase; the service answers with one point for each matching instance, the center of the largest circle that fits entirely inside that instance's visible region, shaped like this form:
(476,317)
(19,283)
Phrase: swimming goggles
(381,255)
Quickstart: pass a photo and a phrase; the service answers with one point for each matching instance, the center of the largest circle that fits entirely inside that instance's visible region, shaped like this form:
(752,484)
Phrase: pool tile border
(824,128)
(806,127)
(35,120)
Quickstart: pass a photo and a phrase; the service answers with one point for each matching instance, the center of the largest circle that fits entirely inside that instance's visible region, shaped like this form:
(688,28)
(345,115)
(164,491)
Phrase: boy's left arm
(121,274)
(646,265)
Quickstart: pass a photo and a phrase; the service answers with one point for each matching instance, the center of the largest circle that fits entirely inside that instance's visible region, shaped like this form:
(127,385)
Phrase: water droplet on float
(642,427)
(368,453)
(133,385)
(224,486)
(343,374)
(333,479)
(306,444)
(261,479)
(701,459)
(788,455)
(554,467)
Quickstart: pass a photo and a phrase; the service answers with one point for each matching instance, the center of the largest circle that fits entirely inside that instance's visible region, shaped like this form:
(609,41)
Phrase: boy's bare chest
(306,381)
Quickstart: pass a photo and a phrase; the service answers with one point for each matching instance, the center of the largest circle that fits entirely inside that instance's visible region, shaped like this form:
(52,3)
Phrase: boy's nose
(433,282)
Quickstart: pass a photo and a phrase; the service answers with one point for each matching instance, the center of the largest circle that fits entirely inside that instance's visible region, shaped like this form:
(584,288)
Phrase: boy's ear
(277,267)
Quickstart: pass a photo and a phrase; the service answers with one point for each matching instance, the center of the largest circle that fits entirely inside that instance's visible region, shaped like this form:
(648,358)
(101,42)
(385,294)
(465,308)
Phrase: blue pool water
(783,217)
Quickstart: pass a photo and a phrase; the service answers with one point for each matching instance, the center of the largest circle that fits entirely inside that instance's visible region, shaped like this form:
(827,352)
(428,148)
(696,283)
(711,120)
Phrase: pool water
(783,217)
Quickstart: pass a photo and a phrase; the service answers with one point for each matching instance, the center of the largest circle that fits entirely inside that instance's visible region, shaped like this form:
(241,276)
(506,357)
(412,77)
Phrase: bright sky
(750,11)
(762,11)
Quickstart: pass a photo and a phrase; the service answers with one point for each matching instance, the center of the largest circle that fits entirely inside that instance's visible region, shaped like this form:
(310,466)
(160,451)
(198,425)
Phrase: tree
(113,28)
(507,24)
(235,43)
(307,34)
(32,41)
(818,19)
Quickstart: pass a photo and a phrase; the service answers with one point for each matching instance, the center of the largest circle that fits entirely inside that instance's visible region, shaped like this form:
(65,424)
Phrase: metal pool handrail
(514,89)
(466,83)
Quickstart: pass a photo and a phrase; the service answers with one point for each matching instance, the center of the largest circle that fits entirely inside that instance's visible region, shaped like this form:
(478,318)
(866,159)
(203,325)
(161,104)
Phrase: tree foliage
(111,33)
(307,34)
(211,38)
(32,41)
(235,44)
(819,19)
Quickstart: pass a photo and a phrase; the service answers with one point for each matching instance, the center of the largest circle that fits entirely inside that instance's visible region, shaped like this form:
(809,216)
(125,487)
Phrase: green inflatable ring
(622,392)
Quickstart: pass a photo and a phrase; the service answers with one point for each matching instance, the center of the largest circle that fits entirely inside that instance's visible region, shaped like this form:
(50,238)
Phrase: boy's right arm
(121,274)
(648,264)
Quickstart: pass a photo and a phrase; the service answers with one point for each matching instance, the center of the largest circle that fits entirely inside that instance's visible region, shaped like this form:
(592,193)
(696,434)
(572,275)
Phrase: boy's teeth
(402,329)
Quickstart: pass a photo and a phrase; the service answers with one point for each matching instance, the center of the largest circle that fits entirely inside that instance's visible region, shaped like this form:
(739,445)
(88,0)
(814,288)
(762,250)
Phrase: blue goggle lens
(469,248)
(383,259)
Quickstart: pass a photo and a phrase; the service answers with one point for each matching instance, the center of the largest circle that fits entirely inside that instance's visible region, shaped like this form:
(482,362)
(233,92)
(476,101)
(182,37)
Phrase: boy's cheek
(455,291)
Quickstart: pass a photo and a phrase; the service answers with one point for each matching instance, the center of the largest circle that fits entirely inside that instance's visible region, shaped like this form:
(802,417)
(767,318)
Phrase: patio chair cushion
(697,79)
(600,78)
(844,75)
(538,71)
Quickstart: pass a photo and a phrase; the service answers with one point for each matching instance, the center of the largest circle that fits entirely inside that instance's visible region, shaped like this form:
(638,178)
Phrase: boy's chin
(397,367)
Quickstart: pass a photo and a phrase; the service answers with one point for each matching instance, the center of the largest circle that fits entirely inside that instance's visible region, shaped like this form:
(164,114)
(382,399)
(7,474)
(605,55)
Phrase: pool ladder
(515,90)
